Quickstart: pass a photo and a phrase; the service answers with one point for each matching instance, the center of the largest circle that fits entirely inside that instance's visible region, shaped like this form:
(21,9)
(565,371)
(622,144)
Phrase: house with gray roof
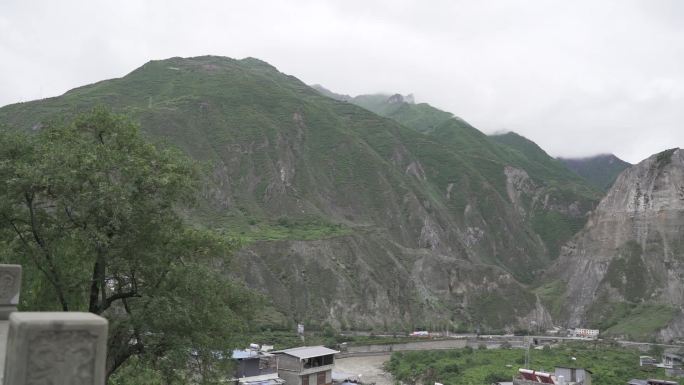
(256,367)
(306,365)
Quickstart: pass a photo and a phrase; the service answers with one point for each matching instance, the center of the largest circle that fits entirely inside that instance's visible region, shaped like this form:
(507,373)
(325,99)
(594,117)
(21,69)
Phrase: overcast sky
(577,77)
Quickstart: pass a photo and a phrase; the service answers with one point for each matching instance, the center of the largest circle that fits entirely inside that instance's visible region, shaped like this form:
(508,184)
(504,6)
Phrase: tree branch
(46,252)
(26,245)
(117,296)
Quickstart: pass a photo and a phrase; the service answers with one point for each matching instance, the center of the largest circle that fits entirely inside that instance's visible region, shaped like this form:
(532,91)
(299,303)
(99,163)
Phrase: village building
(585,333)
(306,365)
(672,360)
(647,361)
(256,367)
(651,382)
(561,376)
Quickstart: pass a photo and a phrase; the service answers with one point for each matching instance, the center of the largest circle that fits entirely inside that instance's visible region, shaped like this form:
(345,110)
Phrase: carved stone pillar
(10,285)
(56,348)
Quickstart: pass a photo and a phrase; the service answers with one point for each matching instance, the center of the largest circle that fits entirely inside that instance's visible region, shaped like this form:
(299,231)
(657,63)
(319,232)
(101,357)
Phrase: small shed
(576,375)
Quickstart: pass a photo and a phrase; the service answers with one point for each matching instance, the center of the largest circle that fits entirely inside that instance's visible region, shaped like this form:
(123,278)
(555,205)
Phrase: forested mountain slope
(600,170)
(350,218)
(551,198)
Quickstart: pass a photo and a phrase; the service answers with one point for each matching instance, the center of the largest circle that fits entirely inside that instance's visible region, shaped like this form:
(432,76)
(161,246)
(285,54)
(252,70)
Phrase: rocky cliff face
(358,282)
(630,255)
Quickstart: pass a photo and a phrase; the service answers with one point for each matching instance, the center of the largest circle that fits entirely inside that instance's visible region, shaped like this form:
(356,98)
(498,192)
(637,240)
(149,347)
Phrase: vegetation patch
(285,228)
(555,228)
(610,365)
(628,274)
(641,321)
(551,295)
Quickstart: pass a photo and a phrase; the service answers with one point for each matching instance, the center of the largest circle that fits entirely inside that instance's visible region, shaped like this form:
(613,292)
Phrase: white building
(586,333)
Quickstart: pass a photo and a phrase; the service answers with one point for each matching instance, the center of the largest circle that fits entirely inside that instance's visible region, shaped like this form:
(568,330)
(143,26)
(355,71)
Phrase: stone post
(10,284)
(57,348)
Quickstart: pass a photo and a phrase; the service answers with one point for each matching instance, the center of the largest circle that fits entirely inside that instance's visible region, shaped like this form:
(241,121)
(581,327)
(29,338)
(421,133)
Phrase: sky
(577,77)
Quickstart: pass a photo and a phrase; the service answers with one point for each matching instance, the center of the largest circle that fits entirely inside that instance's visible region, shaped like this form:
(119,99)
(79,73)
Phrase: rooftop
(263,379)
(248,353)
(662,382)
(303,352)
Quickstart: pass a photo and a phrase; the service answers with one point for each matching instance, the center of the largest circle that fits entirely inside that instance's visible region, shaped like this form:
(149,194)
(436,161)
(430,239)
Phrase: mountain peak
(254,62)
(600,170)
(400,99)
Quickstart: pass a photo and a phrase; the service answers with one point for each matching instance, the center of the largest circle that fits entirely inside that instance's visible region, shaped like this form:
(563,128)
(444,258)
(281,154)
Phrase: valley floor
(371,368)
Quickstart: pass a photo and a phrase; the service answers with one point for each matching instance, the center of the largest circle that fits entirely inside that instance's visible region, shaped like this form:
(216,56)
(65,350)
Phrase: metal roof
(240,354)
(308,351)
(270,378)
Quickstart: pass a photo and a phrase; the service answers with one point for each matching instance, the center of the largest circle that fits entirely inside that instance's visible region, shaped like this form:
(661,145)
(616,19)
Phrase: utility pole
(527,348)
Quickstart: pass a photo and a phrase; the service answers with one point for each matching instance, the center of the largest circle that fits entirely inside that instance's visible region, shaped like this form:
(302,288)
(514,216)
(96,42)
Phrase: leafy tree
(92,211)
(496,377)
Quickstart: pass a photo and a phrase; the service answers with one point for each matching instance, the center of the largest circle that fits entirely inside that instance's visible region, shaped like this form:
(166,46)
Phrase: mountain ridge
(352,219)
(600,170)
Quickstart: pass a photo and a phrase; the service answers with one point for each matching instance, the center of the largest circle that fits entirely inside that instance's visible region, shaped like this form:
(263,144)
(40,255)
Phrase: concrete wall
(291,378)
(420,345)
(288,362)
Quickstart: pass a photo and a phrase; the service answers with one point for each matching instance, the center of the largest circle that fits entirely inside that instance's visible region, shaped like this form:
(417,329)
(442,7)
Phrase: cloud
(577,77)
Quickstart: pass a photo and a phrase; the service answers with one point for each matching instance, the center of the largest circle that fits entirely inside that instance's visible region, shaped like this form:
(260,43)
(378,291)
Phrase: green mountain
(350,218)
(600,170)
(552,199)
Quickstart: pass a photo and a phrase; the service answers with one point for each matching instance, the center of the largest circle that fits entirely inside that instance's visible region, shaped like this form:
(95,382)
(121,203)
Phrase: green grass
(639,322)
(292,231)
(610,365)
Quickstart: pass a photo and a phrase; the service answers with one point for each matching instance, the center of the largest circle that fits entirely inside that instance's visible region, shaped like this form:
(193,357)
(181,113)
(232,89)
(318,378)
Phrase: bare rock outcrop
(631,250)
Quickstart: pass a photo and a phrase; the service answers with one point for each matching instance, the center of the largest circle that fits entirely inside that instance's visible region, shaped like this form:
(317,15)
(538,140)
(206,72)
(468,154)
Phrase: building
(585,333)
(647,361)
(256,367)
(671,360)
(650,382)
(574,375)
(561,376)
(306,365)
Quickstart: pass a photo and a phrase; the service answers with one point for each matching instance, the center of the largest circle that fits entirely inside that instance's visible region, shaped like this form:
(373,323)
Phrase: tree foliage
(92,212)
